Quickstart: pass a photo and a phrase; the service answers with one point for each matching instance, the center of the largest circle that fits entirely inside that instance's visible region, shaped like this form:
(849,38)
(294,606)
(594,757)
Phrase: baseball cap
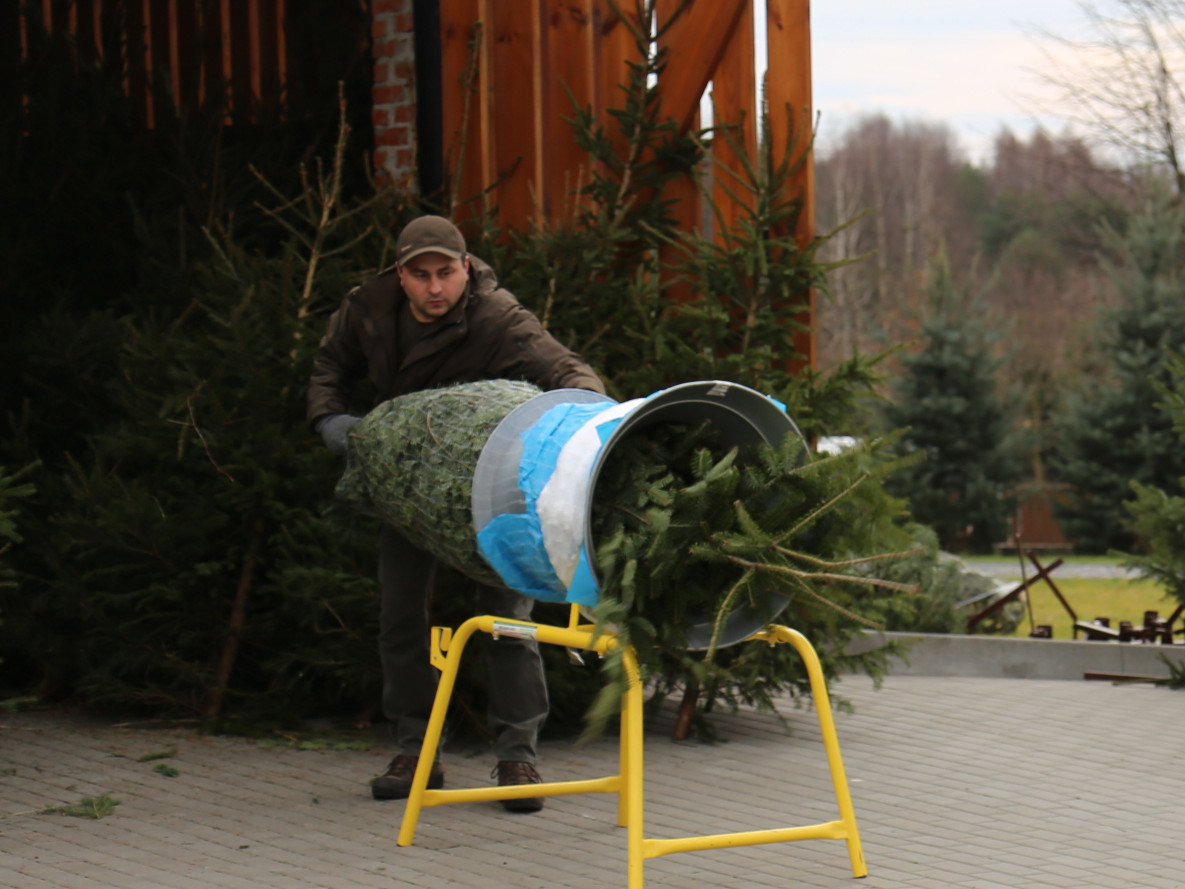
(429,234)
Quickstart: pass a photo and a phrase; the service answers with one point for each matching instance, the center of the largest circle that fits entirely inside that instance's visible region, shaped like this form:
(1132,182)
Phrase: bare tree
(898,182)
(1125,82)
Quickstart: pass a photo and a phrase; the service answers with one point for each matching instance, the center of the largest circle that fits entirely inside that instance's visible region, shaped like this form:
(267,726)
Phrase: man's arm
(337,367)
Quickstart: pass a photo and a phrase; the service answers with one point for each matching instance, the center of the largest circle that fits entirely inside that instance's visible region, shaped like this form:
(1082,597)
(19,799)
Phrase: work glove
(333,429)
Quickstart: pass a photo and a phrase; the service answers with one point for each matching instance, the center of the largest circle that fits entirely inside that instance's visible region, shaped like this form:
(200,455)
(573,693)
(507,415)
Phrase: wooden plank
(515,75)
(696,41)
(788,95)
(615,49)
(242,97)
(568,73)
(687,209)
(463,95)
(734,99)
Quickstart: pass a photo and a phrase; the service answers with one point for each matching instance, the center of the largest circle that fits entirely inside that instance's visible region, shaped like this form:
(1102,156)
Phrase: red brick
(377,7)
(389,94)
(405,24)
(385,48)
(378,28)
(380,117)
(384,73)
(405,113)
(396,136)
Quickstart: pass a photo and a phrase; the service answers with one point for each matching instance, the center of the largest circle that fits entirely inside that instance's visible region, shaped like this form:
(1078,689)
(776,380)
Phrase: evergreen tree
(1156,517)
(946,397)
(1111,433)
(180,560)
(181,556)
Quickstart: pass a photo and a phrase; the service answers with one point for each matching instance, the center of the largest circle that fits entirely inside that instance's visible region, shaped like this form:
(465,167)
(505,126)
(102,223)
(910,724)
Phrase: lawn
(1091,598)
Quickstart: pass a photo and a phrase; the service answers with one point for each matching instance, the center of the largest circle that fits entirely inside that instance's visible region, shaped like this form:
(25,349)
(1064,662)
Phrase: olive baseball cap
(429,234)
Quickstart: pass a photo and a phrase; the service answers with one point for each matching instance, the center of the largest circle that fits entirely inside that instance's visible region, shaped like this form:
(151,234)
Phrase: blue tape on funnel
(513,543)
(584,589)
(543,442)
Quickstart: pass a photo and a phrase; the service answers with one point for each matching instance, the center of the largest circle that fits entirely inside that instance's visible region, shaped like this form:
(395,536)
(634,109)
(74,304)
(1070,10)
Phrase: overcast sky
(967,63)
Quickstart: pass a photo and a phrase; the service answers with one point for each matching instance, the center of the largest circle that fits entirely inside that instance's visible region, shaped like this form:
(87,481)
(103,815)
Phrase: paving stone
(957,783)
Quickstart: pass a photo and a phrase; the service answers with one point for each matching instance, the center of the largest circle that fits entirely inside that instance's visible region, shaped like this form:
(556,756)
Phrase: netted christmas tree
(411,463)
(689,531)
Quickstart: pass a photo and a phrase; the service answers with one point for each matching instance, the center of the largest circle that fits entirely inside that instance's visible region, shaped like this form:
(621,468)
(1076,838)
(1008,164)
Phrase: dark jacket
(487,335)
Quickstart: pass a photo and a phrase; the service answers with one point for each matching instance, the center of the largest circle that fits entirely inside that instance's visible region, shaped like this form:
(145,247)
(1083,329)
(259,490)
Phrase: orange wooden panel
(463,116)
(696,42)
(568,73)
(687,208)
(616,47)
(788,86)
(514,61)
(734,96)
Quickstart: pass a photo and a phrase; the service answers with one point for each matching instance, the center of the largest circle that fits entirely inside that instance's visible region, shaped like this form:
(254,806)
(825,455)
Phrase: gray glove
(333,429)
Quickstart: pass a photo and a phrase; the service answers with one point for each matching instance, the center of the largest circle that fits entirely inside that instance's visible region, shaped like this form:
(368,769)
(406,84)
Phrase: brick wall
(393,96)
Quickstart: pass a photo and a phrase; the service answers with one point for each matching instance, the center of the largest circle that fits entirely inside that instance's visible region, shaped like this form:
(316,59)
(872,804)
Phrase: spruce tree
(1155,516)
(1111,433)
(946,398)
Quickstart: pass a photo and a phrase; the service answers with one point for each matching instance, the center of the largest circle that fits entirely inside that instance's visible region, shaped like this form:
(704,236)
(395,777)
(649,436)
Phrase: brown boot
(395,783)
(511,773)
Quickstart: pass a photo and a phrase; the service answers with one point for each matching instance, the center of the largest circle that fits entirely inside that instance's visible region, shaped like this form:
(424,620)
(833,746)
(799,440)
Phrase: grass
(95,807)
(1093,597)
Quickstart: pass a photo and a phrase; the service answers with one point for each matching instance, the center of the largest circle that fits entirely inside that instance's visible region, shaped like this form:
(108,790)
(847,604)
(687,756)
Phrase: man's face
(433,283)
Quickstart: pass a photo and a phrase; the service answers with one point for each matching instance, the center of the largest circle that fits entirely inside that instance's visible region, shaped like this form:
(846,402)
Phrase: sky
(967,63)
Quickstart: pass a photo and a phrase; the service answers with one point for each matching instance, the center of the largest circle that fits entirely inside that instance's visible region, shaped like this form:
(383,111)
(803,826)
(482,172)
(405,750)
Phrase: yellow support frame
(447,649)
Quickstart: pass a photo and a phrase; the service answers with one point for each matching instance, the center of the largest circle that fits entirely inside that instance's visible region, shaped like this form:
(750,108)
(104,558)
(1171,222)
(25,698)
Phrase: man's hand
(333,429)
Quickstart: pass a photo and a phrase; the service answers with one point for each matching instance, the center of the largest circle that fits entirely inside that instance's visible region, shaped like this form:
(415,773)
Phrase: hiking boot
(395,783)
(511,773)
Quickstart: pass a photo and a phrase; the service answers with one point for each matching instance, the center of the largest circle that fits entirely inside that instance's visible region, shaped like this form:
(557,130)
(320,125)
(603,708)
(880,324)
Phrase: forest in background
(1038,294)
(1022,235)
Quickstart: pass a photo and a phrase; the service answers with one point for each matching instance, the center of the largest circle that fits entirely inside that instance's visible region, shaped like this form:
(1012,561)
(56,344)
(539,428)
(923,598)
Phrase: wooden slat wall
(516,143)
(733,86)
(788,85)
(464,113)
(198,52)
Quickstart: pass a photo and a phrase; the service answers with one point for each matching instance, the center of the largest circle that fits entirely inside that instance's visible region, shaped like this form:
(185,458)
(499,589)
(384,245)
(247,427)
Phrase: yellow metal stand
(447,649)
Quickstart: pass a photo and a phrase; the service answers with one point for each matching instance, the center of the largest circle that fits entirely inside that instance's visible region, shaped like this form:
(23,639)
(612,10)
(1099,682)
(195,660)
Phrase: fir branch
(724,610)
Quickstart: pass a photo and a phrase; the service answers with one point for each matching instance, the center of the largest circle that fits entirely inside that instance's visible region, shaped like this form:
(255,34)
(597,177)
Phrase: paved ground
(984,783)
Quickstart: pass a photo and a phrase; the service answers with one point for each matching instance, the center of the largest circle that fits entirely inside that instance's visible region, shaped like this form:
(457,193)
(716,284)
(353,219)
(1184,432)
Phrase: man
(438,317)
